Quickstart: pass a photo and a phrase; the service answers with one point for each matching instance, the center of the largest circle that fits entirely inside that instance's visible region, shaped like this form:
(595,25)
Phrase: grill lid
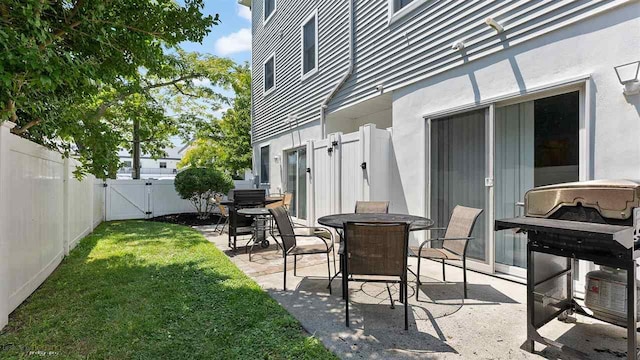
(613,199)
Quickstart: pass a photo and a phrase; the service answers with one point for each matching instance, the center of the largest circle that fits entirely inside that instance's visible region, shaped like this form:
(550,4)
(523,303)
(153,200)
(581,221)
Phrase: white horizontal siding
(281,35)
(419,45)
(411,49)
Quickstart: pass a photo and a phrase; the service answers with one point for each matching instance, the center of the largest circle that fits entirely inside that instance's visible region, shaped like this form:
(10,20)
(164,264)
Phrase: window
(310,45)
(126,164)
(401,8)
(269,6)
(399,4)
(264,164)
(296,176)
(270,74)
(163,165)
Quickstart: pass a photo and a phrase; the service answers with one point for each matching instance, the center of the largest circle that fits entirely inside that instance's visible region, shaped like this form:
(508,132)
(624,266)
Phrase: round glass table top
(337,221)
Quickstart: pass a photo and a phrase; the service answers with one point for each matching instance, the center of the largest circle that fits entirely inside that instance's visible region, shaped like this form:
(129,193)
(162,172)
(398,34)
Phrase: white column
(5,129)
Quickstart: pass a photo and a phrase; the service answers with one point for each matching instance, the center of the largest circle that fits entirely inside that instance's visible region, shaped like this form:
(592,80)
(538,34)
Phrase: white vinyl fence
(44,213)
(145,199)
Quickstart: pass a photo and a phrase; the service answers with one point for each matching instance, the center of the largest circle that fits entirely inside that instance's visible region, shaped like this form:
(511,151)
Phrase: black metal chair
(240,225)
(290,245)
(376,252)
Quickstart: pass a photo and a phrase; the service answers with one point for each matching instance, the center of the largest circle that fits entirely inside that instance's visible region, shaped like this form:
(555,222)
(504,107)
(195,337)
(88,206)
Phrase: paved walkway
(488,325)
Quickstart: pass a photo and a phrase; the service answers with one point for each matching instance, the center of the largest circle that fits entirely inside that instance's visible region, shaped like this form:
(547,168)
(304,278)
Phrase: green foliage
(73,73)
(227,142)
(146,290)
(199,185)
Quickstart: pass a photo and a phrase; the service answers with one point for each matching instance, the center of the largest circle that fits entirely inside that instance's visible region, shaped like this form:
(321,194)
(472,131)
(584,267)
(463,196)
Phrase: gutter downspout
(347,75)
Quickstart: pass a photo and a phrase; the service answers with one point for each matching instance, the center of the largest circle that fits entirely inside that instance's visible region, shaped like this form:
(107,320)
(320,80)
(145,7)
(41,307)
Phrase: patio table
(260,215)
(337,221)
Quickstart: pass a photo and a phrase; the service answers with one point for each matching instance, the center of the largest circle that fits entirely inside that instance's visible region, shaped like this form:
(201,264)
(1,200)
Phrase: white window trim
(304,76)
(396,15)
(264,91)
(275,8)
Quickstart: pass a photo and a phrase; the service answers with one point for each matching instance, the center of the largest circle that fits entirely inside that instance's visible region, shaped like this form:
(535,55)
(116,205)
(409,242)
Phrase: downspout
(347,75)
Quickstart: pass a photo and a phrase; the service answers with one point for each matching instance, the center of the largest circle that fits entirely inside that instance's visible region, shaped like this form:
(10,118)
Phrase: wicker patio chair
(290,245)
(454,243)
(372,207)
(364,207)
(287,199)
(376,252)
(223,219)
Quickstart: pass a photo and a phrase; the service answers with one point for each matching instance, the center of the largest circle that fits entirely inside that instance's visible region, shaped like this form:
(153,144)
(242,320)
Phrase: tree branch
(21,130)
(129,27)
(102,109)
(183,93)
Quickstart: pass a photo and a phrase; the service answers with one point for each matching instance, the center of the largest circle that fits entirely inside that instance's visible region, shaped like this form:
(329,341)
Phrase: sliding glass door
(536,144)
(296,175)
(458,172)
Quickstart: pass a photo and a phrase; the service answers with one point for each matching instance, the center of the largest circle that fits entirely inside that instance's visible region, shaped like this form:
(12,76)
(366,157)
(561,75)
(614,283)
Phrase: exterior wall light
(458,45)
(628,77)
(276,158)
(494,24)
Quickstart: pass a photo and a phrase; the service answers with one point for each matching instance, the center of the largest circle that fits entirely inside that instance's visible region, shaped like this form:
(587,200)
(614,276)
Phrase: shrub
(199,185)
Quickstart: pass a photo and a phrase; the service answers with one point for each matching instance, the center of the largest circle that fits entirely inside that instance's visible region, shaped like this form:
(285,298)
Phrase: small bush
(199,185)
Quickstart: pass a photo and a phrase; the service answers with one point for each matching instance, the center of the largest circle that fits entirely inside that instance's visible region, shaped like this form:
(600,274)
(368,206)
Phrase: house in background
(480,101)
(161,168)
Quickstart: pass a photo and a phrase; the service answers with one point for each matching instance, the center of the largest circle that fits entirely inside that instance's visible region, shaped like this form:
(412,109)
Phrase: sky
(231,38)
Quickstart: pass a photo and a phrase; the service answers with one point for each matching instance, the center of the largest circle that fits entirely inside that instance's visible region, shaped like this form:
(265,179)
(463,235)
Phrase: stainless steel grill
(597,221)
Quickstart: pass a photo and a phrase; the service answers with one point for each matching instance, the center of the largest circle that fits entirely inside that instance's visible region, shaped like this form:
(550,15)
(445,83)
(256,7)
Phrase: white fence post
(5,129)
(66,233)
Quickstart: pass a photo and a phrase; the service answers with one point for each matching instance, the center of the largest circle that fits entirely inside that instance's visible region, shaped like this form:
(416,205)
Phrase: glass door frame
(583,85)
(487,265)
(285,179)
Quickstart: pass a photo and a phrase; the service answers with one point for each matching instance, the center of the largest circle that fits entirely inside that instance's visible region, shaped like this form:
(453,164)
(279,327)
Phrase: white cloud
(234,43)
(244,12)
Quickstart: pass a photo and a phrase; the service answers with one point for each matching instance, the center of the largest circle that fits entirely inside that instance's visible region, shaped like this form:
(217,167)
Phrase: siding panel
(411,49)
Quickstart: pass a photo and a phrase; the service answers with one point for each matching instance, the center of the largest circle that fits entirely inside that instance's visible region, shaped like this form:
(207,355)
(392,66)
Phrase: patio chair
(223,219)
(376,252)
(289,243)
(286,200)
(454,243)
(372,207)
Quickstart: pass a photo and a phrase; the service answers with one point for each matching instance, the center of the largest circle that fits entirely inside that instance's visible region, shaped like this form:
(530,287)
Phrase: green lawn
(145,290)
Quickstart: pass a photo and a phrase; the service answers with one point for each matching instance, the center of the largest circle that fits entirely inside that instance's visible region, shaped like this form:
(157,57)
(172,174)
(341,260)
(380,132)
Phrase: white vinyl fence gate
(346,168)
(143,199)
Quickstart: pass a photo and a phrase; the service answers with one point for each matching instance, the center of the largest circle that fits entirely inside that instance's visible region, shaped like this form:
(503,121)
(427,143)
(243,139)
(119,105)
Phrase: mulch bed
(189,219)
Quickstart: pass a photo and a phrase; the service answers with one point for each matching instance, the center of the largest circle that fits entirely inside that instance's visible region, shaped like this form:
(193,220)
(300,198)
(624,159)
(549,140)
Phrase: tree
(67,63)
(199,185)
(227,143)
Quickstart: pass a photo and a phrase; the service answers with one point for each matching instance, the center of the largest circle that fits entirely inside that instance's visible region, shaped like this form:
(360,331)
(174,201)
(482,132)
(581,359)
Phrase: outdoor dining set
(373,245)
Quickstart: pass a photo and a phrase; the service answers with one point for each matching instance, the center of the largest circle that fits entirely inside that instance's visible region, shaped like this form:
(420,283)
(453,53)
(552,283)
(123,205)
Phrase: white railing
(44,212)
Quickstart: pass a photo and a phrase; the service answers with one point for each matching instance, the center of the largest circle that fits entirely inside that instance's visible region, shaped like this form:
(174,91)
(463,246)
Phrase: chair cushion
(434,253)
(309,249)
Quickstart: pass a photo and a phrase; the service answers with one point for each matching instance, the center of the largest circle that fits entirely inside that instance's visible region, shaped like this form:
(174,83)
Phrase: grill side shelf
(583,230)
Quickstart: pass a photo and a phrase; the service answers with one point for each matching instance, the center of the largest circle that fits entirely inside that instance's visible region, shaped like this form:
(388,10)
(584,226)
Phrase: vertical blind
(458,163)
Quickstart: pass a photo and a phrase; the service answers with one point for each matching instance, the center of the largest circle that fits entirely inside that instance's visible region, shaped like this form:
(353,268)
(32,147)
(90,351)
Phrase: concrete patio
(490,324)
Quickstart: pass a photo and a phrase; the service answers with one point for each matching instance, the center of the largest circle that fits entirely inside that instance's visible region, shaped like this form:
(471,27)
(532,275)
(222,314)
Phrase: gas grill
(597,221)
